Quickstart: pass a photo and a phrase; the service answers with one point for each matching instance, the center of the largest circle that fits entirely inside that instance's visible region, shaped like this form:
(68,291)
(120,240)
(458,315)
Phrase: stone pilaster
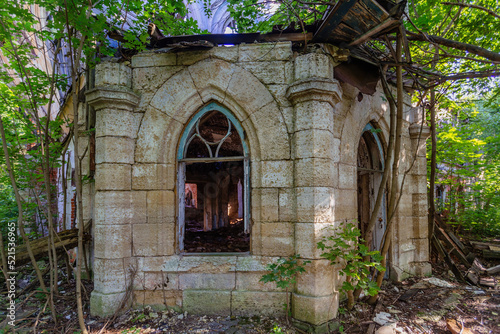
(116,205)
(316,154)
(420,266)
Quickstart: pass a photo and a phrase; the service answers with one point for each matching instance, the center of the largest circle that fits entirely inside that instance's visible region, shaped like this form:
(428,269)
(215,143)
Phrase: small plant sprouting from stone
(284,273)
(345,246)
(276,330)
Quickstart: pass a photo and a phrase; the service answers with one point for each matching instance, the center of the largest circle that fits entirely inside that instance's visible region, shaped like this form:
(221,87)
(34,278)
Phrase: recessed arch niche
(370,168)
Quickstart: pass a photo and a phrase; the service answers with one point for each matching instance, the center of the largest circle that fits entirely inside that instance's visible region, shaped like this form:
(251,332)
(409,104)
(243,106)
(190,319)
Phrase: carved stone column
(116,205)
(316,153)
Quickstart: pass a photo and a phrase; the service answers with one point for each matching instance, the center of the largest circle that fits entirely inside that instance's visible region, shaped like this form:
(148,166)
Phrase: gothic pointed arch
(370,167)
(213,184)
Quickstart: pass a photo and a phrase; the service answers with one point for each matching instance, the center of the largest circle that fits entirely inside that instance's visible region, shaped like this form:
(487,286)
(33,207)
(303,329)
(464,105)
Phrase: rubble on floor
(230,238)
(438,304)
(150,321)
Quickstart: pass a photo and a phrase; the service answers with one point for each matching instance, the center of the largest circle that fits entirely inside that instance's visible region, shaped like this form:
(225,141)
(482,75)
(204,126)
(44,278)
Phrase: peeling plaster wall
(302,128)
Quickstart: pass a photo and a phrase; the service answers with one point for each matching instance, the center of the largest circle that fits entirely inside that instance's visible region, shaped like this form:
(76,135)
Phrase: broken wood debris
(457,328)
(493,270)
(231,39)
(201,44)
(447,244)
(63,241)
(489,250)
(454,248)
(446,256)
(491,254)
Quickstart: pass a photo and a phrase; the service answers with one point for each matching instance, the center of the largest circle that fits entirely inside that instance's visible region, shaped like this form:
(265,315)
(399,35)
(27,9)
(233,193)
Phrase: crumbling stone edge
(326,327)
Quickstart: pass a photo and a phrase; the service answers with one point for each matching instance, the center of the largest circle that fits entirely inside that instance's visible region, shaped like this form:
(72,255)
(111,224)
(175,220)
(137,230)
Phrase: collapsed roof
(348,24)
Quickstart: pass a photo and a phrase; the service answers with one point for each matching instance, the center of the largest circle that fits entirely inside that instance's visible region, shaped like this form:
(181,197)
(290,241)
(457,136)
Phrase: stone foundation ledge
(327,327)
(419,269)
(105,305)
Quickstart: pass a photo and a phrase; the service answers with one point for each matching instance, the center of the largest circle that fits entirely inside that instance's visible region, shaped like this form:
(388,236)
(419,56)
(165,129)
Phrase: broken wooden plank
(488,281)
(212,38)
(380,27)
(461,256)
(491,254)
(472,277)
(482,245)
(449,261)
(457,242)
(201,44)
(493,270)
(471,257)
(375,9)
(333,18)
(478,267)
(63,241)
(292,37)
(438,220)
(457,328)
(361,19)
(371,329)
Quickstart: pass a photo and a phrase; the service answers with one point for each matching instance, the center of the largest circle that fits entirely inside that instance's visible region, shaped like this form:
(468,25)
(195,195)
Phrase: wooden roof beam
(381,27)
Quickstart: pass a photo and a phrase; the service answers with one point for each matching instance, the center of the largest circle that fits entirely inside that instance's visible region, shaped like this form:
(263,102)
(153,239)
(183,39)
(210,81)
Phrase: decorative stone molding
(118,97)
(320,89)
(415,131)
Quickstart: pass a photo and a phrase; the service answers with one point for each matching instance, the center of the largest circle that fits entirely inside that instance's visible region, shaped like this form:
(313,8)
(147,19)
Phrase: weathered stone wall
(302,127)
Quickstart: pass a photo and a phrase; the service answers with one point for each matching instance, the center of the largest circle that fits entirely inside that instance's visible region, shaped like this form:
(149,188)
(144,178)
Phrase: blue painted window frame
(213,106)
(192,123)
(371,128)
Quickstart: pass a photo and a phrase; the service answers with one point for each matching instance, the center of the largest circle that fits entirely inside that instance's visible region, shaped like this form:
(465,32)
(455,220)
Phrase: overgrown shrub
(481,222)
(346,247)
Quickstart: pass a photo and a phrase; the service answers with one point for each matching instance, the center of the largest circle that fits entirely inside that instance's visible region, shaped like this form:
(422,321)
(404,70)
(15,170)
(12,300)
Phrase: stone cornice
(321,89)
(118,97)
(415,131)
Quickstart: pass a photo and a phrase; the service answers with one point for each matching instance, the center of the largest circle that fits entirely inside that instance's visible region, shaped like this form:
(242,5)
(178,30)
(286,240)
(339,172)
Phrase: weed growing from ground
(284,273)
(345,246)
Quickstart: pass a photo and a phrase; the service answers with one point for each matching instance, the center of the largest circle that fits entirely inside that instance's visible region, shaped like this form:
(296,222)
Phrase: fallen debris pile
(464,261)
(428,305)
(63,241)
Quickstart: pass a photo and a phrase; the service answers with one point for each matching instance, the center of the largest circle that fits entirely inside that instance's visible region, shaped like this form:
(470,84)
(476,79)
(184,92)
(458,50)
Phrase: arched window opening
(213,184)
(370,167)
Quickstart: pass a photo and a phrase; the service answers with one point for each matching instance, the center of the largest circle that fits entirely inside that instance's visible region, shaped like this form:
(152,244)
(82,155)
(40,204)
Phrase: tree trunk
(75,57)
(432,181)
(394,189)
(20,223)
(5,269)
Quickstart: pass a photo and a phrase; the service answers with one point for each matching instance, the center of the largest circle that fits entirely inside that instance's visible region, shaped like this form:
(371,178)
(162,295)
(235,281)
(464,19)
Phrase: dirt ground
(416,305)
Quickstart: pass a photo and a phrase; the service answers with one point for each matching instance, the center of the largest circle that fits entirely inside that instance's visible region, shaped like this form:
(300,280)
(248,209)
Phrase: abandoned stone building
(211,164)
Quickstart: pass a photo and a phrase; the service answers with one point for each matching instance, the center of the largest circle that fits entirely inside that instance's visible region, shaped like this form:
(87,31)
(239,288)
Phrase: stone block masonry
(301,130)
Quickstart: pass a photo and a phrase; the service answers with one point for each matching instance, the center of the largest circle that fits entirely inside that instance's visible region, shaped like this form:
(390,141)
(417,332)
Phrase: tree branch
(477,50)
(489,11)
